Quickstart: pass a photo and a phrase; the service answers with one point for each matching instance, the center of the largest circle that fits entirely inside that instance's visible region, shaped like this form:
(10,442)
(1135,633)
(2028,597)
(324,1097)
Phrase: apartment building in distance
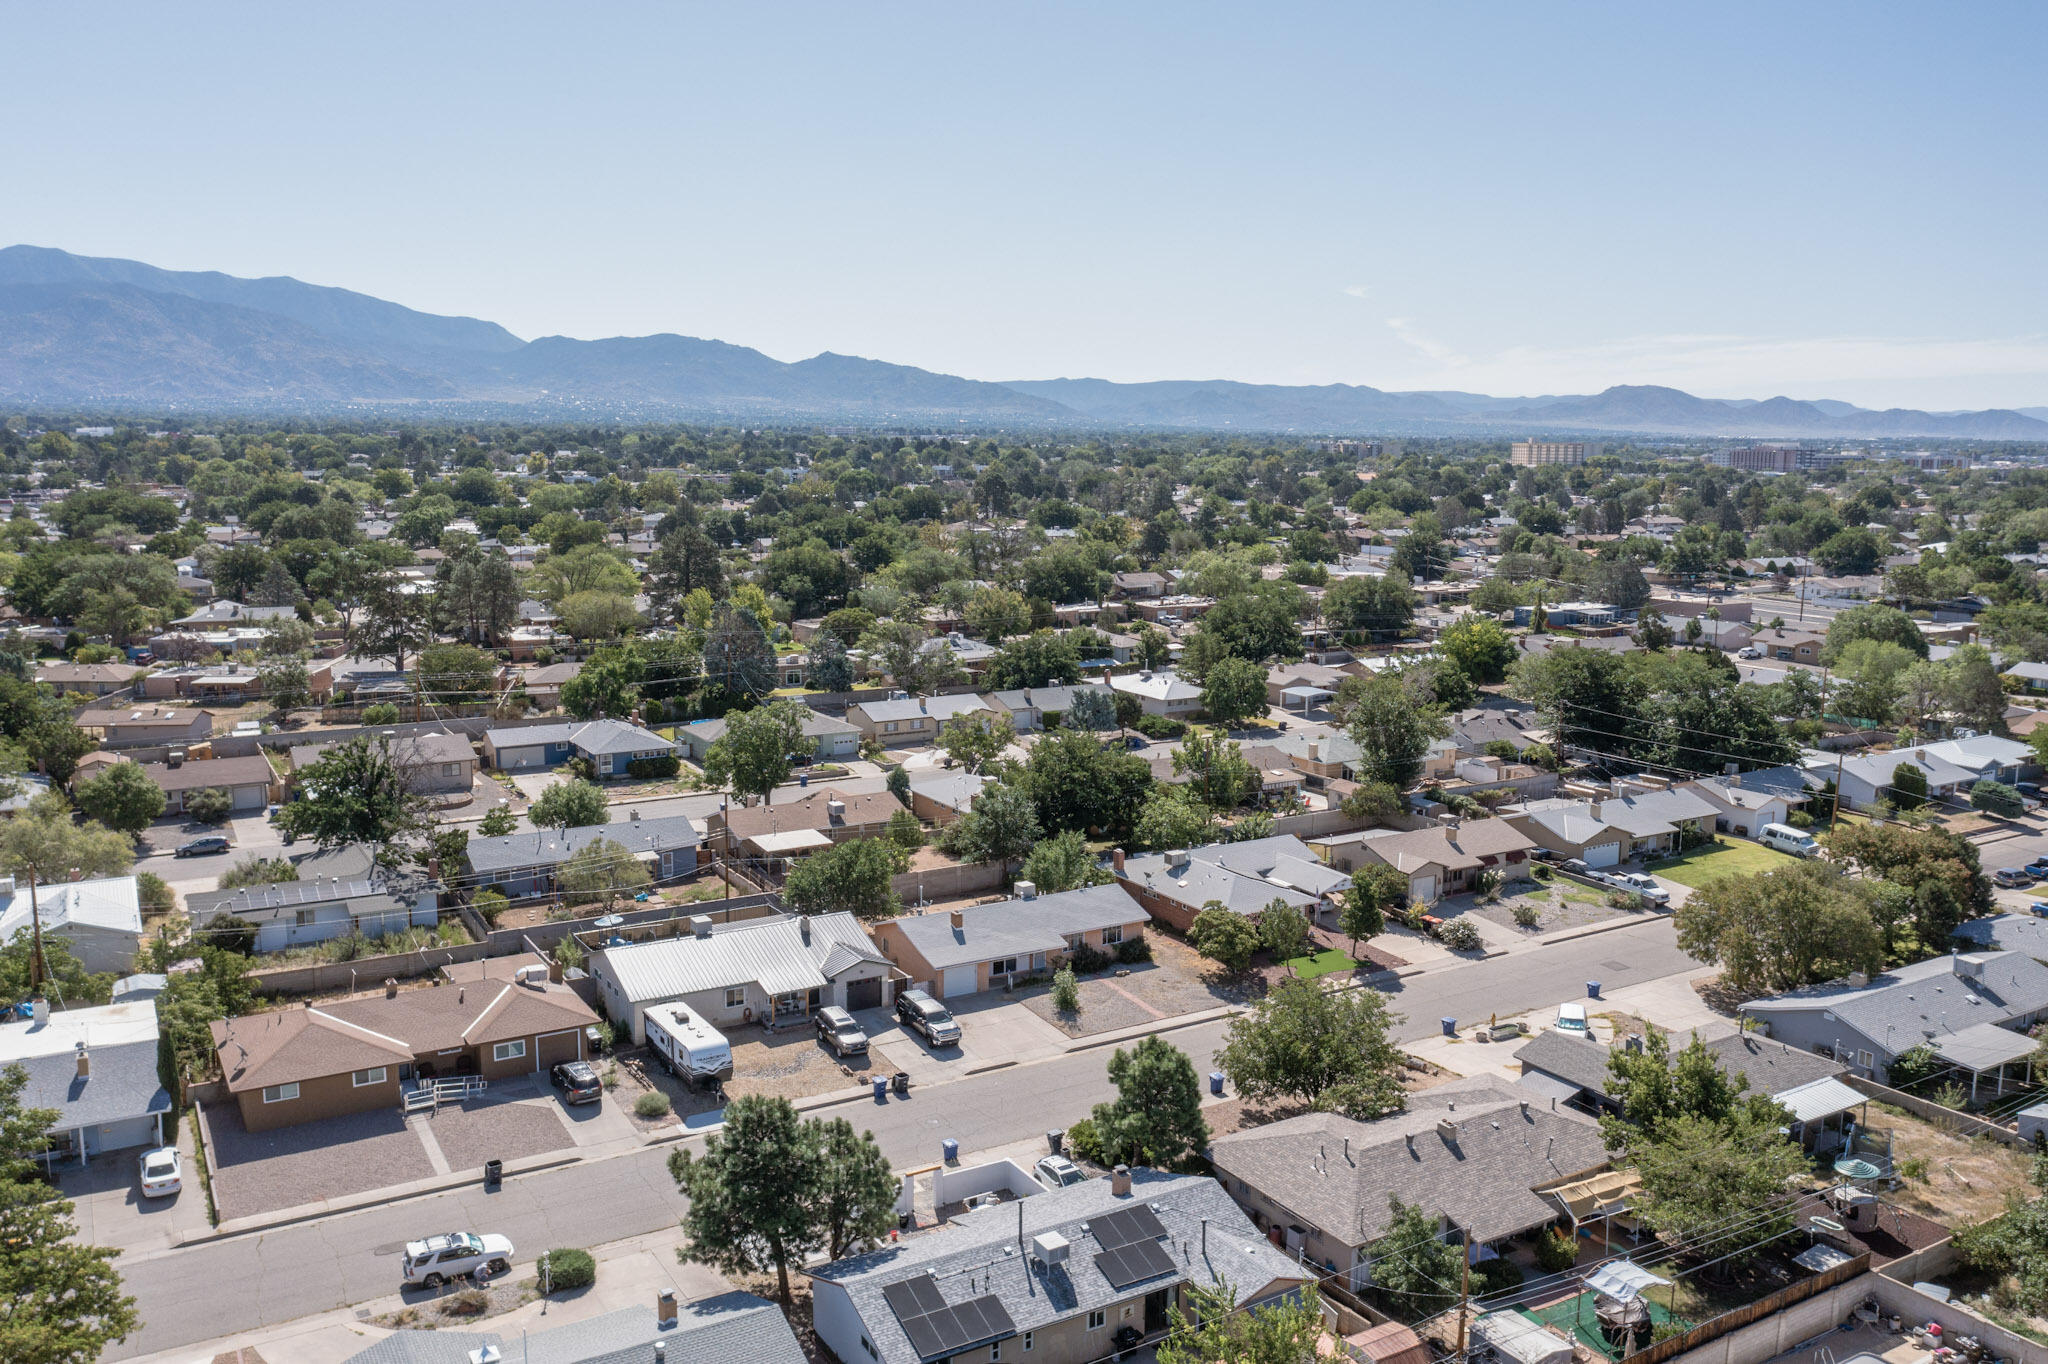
(1761,457)
(1531,452)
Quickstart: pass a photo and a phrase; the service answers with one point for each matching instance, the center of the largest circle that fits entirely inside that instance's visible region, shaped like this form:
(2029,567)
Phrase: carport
(1987,1049)
(1304,698)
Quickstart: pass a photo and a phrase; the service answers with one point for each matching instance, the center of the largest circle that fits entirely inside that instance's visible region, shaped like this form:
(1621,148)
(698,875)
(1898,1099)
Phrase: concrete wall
(948,883)
(1313,823)
(1006,1176)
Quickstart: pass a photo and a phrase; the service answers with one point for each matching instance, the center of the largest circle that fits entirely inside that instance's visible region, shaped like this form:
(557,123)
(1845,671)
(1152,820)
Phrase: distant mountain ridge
(78,330)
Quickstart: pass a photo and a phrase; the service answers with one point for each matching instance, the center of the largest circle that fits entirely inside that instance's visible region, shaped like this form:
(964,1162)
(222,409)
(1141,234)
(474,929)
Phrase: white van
(691,1049)
(1787,839)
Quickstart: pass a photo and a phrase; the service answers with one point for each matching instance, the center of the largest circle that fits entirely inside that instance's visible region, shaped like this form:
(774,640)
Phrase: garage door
(251,797)
(556,1046)
(864,994)
(1605,855)
(1424,889)
(960,980)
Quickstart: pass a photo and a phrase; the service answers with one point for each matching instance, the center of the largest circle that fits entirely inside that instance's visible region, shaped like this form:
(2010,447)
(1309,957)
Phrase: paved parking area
(262,1172)
(111,1211)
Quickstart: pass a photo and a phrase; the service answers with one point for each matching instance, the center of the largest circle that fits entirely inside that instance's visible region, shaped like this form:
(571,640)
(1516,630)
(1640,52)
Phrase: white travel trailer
(692,1049)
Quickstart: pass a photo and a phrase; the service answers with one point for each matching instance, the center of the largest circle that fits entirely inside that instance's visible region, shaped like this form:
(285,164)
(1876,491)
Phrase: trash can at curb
(949,1149)
(1592,989)
(1055,1139)
(1449,1025)
(494,1172)
(881,1089)
(1215,1082)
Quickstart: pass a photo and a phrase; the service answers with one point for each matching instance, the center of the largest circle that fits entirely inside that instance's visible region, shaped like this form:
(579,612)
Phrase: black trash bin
(494,1173)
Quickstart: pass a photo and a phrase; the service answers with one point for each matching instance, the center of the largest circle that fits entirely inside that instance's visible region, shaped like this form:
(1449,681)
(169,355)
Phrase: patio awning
(1305,695)
(1603,1195)
(1622,1281)
(788,841)
(1822,1098)
(1986,1046)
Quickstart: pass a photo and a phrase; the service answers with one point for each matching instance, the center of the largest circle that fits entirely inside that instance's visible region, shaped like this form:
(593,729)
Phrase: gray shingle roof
(1932,999)
(732,1328)
(1339,1173)
(1017,927)
(2012,932)
(590,736)
(1770,1067)
(552,847)
(974,1248)
(1243,877)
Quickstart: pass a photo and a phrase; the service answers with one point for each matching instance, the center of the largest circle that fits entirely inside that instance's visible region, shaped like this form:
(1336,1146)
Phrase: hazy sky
(1741,200)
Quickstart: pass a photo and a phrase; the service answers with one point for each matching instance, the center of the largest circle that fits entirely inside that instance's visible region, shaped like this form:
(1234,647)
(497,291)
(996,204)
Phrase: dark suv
(923,1014)
(578,1081)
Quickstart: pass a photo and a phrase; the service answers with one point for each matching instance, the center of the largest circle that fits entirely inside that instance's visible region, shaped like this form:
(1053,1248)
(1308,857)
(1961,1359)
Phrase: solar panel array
(937,1330)
(1131,1251)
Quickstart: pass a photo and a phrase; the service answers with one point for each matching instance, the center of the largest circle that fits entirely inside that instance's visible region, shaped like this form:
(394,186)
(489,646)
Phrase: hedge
(569,1269)
(665,766)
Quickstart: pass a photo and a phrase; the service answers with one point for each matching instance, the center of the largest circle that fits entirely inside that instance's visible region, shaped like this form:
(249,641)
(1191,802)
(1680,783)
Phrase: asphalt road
(262,1279)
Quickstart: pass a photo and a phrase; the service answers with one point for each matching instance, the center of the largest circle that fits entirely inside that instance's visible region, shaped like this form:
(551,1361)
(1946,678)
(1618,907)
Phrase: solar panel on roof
(1134,1264)
(925,1337)
(937,1330)
(1126,1225)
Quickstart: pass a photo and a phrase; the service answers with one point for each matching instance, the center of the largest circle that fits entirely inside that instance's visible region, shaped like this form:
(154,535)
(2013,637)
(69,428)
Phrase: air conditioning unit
(1050,1248)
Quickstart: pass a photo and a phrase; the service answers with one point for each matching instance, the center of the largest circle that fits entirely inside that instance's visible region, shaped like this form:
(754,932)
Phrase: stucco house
(610,745)
(985,947)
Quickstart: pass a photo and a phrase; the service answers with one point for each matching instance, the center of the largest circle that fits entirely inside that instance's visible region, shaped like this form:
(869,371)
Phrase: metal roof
(1820,1099)
(770,953)
(1984,1046)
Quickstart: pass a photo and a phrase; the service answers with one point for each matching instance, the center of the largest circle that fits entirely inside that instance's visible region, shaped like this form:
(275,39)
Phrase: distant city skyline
(1827,201)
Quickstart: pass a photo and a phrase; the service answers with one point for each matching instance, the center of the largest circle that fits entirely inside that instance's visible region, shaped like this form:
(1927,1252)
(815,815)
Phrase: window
(1027,1342)
(1112,936)
(995,1350)
(735,996)
(277,1094)
(1097,1319)
(303,919)
(1863,1059)
(509,1051)
(869,1346)
(1003,966)
(373,1076)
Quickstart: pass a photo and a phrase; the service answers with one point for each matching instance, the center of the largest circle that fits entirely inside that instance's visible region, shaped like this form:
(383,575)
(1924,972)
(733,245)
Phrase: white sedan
(163,1172)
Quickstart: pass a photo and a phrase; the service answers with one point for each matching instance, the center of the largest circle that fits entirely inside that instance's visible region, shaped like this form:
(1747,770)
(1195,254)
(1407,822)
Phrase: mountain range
(88,332)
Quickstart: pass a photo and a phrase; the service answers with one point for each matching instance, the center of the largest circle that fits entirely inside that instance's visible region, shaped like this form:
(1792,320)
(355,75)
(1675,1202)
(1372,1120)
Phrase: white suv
(436,1260)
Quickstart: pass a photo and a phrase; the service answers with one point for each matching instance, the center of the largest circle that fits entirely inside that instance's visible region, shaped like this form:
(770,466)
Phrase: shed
(1389,1343)
(2034,1122)
(1520,1340)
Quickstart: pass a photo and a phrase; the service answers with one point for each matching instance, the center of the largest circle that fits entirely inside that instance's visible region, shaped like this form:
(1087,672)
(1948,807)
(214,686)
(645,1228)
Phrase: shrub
(1496,1276)
(652,1104)
(1066,992)
(1541,872)
(381,713)
(1799,819)
(1084,1141)
(1460,936)
(1131,951)
(1159,727)
(491,904)
(470,1302)
(209,804)
(1087,959)
(581,768)
(1556,1251)
(667,765)
(1527,915)
(231,934)
(155,893)
(1914,1169)
(569,1269)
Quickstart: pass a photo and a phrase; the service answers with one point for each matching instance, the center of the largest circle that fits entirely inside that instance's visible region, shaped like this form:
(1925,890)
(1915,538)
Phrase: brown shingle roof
(811,813)
(222,772)
(291,1045)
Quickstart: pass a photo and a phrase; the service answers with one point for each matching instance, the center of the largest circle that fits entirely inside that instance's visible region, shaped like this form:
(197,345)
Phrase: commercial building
(1759,458)
(1533,452)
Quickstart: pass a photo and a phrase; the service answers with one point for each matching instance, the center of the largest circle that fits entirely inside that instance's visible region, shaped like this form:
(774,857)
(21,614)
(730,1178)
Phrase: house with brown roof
(93,679)
(1437,861)
(828,816)
(249,782)
(141,726)
(357,1055)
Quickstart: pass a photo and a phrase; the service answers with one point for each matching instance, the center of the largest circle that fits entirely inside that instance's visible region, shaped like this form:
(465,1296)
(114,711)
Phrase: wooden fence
(1765,1306)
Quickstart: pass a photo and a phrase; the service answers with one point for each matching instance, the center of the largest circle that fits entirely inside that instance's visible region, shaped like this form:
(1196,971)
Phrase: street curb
(313,1212)
(1167,1025)
(985,1069)
(1573,935)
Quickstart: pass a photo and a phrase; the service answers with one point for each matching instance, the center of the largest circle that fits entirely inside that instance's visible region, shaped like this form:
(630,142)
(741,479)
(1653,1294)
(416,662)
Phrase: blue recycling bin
(1450,1026)
(1592,989)
(950,1149)
(881,1089)
(1215,1082)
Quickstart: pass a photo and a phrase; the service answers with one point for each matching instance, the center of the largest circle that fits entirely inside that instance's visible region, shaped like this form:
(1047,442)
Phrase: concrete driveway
(991,1031)
(111,1210)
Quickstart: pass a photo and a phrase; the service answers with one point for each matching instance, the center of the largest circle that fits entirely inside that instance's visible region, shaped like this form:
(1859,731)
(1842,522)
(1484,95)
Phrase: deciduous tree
(570,805)
(1328,1050)
(758,749)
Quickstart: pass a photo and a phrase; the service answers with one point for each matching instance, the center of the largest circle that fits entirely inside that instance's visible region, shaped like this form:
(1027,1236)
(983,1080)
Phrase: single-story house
(1657,822)
(1477,1153)
(1746,801)
(355,1055)
(1174,886)
(985,947)
(92,679)
(216,614)
(609,745)
(780,966)
(832,815)
(1053,1276)
(1160,693)
(2033,675)
(524,864)
(1951,767)
(1132,586)
(339,892)
(2026,933)
(1790,646)
(1946,1003)
(97,1067)
(831,739)
(1472,730)
(438,762)
(144,725)
(249,781)
(1283,678)
(733,1328)
(99,920)
(1571,828)
(544,684)
(1440,860)
(907,721)
(943,796)
(1028,707)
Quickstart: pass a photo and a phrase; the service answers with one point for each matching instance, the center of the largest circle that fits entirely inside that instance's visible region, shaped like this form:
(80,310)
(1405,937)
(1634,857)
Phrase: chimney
(803,928)
(39,1010)
(922,708)
(84,1063)
(554,971)
(1315,751)
(959,921)
(700,925)
(1120,1181)
(390,987)
(1116,860)
(1447,1129)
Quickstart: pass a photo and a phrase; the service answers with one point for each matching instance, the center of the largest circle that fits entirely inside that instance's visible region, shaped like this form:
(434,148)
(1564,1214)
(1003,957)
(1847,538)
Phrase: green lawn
(1321,964)
(1711,861)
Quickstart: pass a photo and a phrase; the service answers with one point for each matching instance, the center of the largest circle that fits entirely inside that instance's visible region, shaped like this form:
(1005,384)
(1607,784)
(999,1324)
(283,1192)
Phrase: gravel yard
(1178,980)
(263,1172)
(508,1129)
(792,1064)
(1558,905)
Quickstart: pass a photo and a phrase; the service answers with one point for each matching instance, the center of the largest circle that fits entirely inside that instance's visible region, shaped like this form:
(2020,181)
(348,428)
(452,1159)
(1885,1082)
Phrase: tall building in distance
(1530,452)
(1761,457)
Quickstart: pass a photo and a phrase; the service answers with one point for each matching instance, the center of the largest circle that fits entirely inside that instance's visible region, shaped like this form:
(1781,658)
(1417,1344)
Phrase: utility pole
(1464,1291)
(1835,811)
(38,972)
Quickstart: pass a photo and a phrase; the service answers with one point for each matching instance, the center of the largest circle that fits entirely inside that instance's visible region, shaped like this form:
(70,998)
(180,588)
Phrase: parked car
(578,1081)
(163,1172)
(2037,868)
(923,1014)
(1645,886)
(203,847)
(837,1029)
(2039,908)
(2031,790)
(1576,866)
(1749,651)
(1571,1018)
(1057,1172)
(436,1260)
(2013,877)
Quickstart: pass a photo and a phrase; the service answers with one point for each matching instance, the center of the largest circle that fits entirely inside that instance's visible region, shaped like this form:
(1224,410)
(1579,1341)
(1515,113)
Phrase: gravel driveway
(263,1172)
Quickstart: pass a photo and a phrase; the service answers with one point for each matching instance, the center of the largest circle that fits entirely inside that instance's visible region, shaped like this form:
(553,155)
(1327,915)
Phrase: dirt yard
(1178,980)
(791,1064)
(1966,1179)
(1558,904)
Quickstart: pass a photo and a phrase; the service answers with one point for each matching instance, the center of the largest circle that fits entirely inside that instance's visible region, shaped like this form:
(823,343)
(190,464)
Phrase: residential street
(294,1271)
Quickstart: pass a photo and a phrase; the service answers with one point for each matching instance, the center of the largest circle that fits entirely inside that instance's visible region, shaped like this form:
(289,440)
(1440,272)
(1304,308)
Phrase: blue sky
(1825,200)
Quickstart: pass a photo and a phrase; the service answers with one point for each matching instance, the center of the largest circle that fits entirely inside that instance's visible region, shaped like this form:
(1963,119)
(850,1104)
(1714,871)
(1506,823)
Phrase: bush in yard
(1087,959)
(1159,727)
(1496,1276)
(380,713)
(1084,1141)
(1460,936)
(491,904)
(667,765)
(1996,798)
(1224,937)
(1527,915)
(1541,872)
(569,1269)
(652,1104)
(232,933)
(1066,992)
(1133,950)
(209,804)
(1799,819)
(1556,1251)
